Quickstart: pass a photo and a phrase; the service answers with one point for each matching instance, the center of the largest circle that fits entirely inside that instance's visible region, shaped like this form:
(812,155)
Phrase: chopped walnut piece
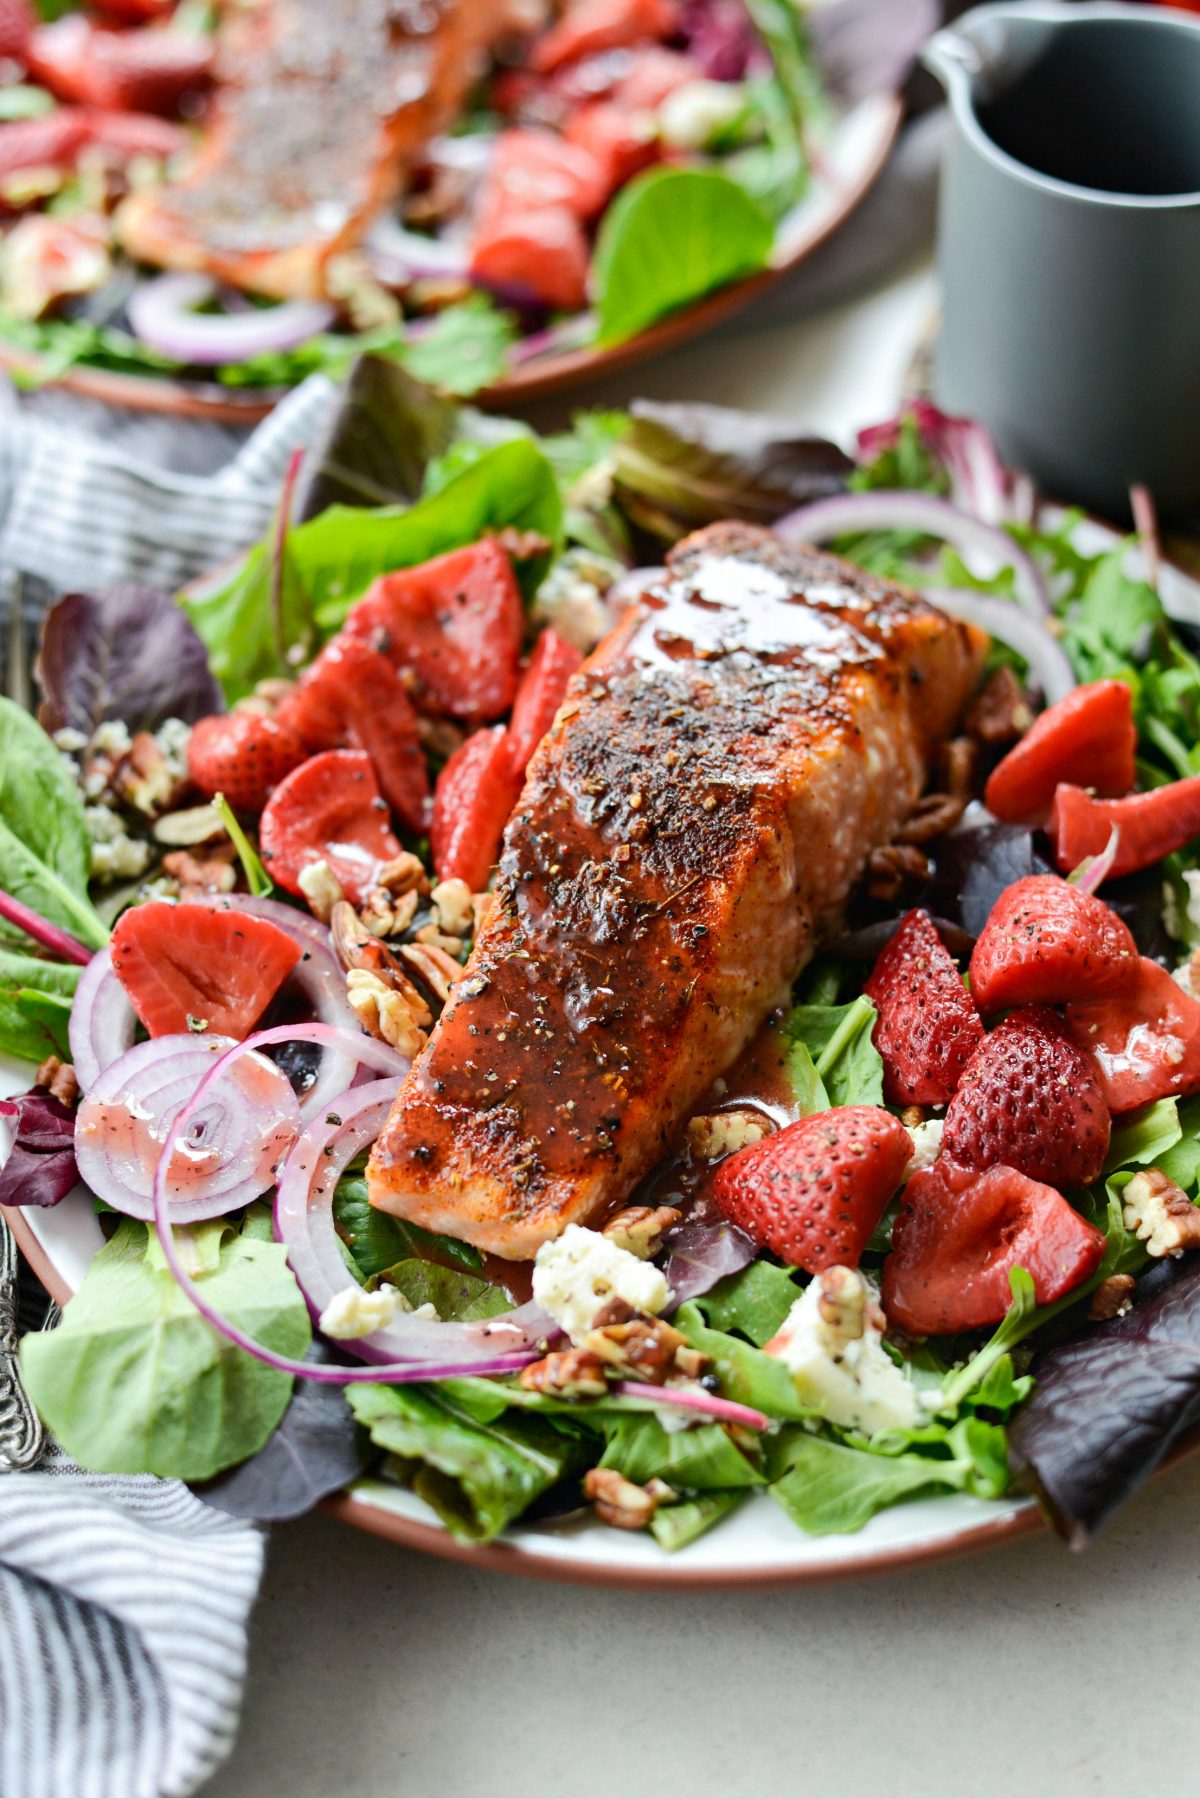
(1112,1298)
(437,939)
(404,874)
(322,888)
(848,1306)
(639,1228)
(385,1012)
(1000,712)
(211,873)
(720,1133)
(481,904)
(931,817)
(350,936)
(384,916)
(522,546)
(440,737)
(912,1117)
(618,1501)
(452,907)
(58,1079)
(145,779)
(1160,1213)
(893,867)
(430,967)
(569,1373)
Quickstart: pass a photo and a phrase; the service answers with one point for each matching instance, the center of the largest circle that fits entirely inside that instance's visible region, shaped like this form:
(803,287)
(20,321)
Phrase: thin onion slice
(102,1024)
(693,1398)
(371,1054)
(1049,664)
(226,1153)
(304,1224)
(847,514)
(1094,870)
(162,312)
(397,256)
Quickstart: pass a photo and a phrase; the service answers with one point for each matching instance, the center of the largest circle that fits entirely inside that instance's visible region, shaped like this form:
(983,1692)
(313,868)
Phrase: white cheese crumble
(832,1343)
(355,1312)
(577,1274)
(926,1146)
(115,854)
(571,598)
(697,114)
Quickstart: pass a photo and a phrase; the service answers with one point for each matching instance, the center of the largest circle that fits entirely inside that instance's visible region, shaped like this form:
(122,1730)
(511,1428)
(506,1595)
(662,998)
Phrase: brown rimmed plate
(850,163)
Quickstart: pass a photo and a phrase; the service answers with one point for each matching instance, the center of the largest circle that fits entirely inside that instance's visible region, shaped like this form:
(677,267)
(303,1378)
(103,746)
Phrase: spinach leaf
(454,1294)
(671,236)
(841,1052)
(44,851)
(477,1477)
(700,1460)
(34,1004)
(744,1372)
(675,1526)
(130,654)
(829,1488)
(753,1303)
(135,1381)
(465,348)
(1140,1137)
(377,1240)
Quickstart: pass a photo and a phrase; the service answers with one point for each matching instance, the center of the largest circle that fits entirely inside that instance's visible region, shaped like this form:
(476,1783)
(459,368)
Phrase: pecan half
(931,817)
(640,1229)
(58,1079)
(1000,712)
(618,1501)
(1160,1213)
(568,1373)
(893,867)
(1111,1297)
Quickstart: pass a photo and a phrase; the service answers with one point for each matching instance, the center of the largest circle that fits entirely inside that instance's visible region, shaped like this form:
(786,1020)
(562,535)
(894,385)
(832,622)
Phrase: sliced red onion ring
(318,976)
(102,1024)
(49,935)
(846,514)
(224,1154)
(1094,870)
(398,256)
(304,1223)
(371,1054)
(565,334)
(692,1398)
(1049,665)
(162,312)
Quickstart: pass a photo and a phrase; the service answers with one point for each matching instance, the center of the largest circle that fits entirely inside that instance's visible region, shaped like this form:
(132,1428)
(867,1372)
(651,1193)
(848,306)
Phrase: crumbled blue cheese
(926,1145)
(115,854)
(571,598)
(355,1312)
(697,115)
(831,1341)
(577,1274)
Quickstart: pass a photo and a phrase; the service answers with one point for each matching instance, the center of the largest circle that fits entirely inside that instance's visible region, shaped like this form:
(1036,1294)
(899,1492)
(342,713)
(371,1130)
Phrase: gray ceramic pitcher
(1070,243)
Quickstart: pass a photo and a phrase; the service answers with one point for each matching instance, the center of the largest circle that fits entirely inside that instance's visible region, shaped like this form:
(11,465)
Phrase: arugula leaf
(744,1372)
(135,1381)
(131,654)
(695,1460)
(752,1303)
(453,1293)
(377,1241)
(33,997)
(44,849)
(675,1526)
(477,1477)
(671,236)
(1181,1162)
(841,1053)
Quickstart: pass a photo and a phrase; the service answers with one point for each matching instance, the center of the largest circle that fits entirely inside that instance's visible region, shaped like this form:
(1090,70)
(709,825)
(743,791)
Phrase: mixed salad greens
(623,161)
(164,949)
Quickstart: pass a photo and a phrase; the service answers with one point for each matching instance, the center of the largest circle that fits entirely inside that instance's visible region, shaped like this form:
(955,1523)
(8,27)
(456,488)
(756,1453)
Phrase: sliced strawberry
(353,696)
(1087,737)
(1030,1099)
(474,796)
(542,690)
(620,141)
(651,75)
(453,626)
(18,21)
(532,170)
(928,1027)
(1046,942)
(328,809)
(814,1191)
(596,25)
(125,71)
(128,134)
(1146,1039)
(189,967)
(53,142)
(243,755)
(960,1234)
(134,12)
(1151,825)
(542,255)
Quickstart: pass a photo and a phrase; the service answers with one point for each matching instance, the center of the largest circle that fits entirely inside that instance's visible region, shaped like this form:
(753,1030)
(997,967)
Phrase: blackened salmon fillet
(321,104)
(721,768)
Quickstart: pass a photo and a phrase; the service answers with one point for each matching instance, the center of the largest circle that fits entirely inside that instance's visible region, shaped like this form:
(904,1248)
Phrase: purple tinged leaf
(702,1249)
(720,37)
(130,654)
(865,47)
(1111,1404)
(40,1169)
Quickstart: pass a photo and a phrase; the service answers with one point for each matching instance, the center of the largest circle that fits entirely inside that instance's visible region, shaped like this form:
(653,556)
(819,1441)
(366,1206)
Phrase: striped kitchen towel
(123,1606)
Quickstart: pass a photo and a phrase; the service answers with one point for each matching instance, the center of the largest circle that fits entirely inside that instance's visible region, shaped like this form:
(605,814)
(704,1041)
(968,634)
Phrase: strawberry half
(328,809)
(958,1237)
(1146,1038)
(189,967)
(1089,737)
(243,755)
(1148,825)
(928,1027)
(1030,1099)
(18,21)
(1045,943)
(814,1191)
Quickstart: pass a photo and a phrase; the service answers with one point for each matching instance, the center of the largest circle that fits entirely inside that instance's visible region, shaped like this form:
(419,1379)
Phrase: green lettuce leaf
(833,1042)
(377,1241)
(744,1372)
(675,1526)
(135,1381)
(454,1294)
(465,348)
(752,1303)
(693,1460)
(44,849)
(34,1004)
(834,1488)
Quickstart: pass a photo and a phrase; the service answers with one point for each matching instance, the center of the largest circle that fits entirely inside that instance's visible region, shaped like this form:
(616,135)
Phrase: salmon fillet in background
(321,106)
(720,770)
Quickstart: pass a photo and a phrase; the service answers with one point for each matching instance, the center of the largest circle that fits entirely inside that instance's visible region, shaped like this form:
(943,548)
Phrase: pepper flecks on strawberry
(928,1027)
(1045,943)
(195,967)
(243,755)
(330,810)
(1145,1038)
(1088,737)
(1149,825)
(475,793)
(814,1192)
(1032,1100)
(960,1234)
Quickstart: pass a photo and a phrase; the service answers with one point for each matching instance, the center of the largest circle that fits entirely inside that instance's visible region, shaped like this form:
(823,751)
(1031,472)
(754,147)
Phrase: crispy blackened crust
(720,770)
